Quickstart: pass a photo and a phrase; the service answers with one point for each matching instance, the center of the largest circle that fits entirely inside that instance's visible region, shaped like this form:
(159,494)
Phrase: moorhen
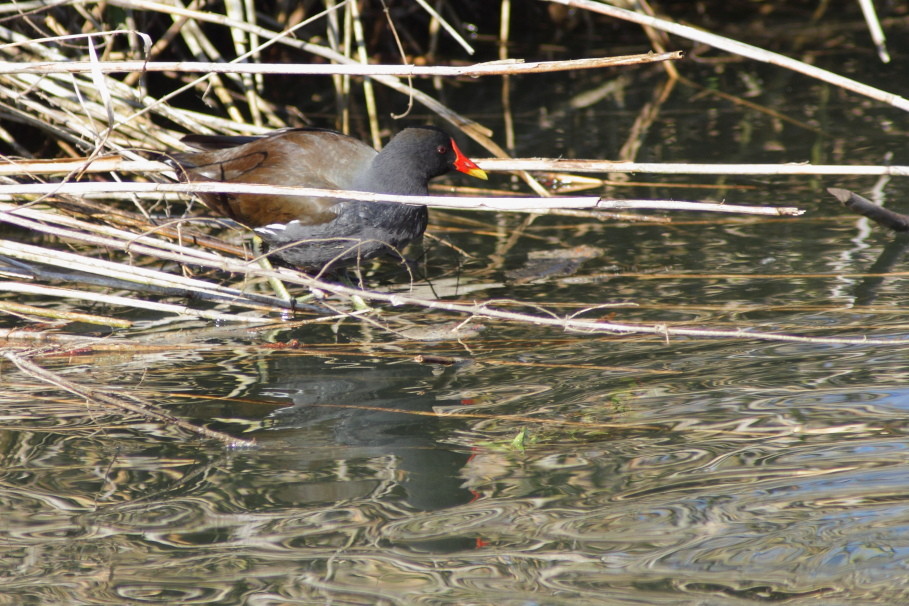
(310,232)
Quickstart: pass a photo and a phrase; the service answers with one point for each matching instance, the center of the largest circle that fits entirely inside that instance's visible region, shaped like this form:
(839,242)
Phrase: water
(651,471)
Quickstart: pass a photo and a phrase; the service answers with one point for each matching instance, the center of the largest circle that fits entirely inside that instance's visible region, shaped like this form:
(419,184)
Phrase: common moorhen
(312,232)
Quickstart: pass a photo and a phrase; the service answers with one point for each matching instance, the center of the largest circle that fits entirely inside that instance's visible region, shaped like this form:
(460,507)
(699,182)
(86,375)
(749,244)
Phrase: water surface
(652,470)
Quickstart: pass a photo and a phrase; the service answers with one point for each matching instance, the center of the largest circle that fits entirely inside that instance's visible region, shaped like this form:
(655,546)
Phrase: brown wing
(299,157)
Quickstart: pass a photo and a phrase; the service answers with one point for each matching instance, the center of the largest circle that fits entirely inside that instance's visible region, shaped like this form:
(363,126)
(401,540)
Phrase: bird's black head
(417,154)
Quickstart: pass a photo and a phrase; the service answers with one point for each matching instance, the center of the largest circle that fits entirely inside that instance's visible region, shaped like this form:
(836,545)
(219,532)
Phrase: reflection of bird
(331,230)
(866,290)
(365,413)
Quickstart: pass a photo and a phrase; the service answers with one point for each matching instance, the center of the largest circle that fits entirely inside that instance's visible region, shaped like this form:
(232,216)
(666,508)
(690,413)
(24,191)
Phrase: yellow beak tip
(479,173)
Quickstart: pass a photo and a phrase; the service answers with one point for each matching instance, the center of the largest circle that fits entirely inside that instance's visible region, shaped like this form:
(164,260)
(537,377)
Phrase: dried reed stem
(518,204)
(491,68)
(740,48)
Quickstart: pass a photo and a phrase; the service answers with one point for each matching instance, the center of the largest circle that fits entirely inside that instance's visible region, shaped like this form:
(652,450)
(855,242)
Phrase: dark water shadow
(364,433)
(866,291)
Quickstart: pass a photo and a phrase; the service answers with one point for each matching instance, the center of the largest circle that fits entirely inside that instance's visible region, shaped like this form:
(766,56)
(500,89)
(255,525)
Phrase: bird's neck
(387,176)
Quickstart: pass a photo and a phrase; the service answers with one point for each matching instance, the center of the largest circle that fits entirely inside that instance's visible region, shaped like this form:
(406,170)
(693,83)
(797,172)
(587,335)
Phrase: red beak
(465,165)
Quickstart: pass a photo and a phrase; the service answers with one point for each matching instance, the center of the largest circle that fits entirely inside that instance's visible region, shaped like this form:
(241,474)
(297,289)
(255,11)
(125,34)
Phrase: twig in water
(875,212)
(132,404)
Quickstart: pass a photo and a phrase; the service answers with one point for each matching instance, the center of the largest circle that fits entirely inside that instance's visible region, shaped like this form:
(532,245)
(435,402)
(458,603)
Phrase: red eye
(441,150)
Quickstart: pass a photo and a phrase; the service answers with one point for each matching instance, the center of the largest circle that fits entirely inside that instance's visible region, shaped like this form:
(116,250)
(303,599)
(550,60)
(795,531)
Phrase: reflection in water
(369,430)
(866,290)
